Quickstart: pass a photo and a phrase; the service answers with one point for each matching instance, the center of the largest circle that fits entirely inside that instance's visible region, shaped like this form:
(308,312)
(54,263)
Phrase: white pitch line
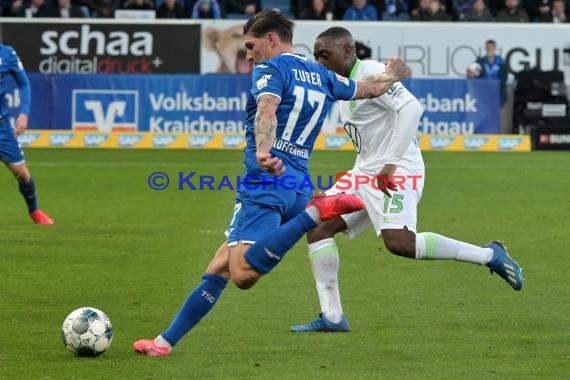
(158,165)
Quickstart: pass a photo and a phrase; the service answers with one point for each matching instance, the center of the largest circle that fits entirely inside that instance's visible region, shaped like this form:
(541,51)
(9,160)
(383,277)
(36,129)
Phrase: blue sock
(199,303)
(28,191)
(268,251)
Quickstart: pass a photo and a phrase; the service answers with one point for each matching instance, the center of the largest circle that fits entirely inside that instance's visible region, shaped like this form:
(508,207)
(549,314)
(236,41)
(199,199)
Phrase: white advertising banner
(433,50)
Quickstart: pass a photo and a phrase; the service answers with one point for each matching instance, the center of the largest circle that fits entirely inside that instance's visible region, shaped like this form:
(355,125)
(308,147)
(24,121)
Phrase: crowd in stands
(551,11)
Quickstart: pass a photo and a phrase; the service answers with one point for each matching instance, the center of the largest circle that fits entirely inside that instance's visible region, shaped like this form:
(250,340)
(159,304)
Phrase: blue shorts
(10,149)
(257,213)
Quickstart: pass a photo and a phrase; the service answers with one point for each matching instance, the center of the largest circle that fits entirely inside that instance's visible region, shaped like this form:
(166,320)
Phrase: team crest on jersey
(262,82)
(352,105)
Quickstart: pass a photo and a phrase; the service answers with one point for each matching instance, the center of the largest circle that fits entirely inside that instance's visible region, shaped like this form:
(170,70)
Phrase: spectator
(430,10)
(512,12)
(103,8)
(393,10)
(316,9)
(559,12)
(139,5)
(64,9)
(245,7)
(478,12)
(459,6)
(493,67)
(170,9)
(12,7)
(206,9)
(360,11)
(36,8)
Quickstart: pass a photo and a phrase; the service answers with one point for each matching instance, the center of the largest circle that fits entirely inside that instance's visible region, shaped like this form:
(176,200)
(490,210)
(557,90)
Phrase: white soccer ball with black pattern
(87,331)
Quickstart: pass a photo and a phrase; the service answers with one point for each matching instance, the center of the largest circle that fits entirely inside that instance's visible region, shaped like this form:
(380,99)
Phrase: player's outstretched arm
(378,84)
(265,127)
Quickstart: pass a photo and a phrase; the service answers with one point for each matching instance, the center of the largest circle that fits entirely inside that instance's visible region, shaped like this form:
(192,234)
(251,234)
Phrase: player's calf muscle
(242,274)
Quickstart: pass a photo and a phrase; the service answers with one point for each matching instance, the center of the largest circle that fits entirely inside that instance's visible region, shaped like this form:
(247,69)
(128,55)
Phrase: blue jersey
(306,91)
(10,65)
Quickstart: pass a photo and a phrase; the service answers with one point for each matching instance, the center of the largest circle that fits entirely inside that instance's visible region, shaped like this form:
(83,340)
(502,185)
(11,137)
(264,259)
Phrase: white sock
(324,262)
(432,246)
(314,214)
(160,341)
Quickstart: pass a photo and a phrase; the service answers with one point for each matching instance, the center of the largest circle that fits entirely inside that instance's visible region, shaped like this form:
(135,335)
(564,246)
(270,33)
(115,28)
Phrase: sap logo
(129,141)
(199,141)
(28,138)
(92,139)
(60,139)
(162,141)
(440,142)
(232,141)
(474,142)
(509,143)
(105,110)
(336,141)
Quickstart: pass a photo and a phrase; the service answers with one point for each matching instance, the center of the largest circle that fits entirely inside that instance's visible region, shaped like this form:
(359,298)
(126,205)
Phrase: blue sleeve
(19,74)
(341,88)
(266,78)
(372,13)
(216,9)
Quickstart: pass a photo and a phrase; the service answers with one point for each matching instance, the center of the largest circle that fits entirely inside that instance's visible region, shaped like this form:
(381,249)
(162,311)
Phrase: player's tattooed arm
(378,84)
(265,127)
(265,123)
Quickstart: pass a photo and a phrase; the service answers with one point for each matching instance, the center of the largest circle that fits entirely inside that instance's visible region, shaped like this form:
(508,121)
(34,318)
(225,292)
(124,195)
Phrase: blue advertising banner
(215,103)
(40,109)
(151,103)
(458,107)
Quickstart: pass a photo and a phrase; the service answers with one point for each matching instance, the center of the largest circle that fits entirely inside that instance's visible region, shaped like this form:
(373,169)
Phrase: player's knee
(244,281)
(22,174)
(400,245)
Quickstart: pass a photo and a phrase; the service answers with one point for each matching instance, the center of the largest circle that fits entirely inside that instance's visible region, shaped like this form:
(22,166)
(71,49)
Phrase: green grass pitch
(135,253)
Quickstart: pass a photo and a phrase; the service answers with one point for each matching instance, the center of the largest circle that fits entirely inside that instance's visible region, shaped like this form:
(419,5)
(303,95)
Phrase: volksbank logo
(28,138)
(440,142)
(163,141)
(336,141)
(509,143)
(93,139)
(474,142)
(60,139)
(129,140)
(232,141)
(199,141)
(105,110)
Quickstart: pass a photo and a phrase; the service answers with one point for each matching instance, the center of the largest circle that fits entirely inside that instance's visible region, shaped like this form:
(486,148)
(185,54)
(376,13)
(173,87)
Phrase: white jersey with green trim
(371,123)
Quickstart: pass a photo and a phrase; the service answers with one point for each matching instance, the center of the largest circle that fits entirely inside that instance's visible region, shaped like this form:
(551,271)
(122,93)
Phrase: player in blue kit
(10,150)
(289,100)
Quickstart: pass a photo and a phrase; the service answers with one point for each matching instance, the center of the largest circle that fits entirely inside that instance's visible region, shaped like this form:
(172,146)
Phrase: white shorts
(382,212)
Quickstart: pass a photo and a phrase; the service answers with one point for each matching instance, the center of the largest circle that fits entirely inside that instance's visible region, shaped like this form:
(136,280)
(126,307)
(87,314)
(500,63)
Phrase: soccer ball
(87,332)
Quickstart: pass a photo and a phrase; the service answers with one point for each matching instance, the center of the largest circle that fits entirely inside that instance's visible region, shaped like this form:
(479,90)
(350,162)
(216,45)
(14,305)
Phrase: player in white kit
(389,176)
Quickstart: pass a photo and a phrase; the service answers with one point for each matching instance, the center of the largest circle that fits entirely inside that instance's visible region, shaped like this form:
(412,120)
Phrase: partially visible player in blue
(10,150)
(289,100)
